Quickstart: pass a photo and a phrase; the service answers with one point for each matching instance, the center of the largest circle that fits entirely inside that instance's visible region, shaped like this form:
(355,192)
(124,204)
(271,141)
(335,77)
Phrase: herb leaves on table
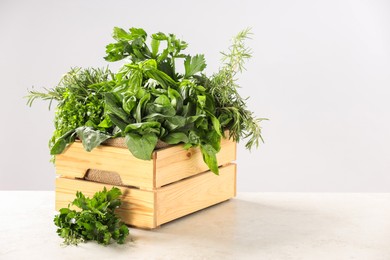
(96,220)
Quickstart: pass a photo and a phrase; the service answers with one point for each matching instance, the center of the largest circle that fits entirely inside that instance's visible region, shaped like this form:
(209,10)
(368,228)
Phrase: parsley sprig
(96,220)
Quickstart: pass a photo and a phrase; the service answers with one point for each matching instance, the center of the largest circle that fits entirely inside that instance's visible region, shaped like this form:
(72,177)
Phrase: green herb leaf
(210,157)
(163,100)
(117,121)
(141,146)
(129,103)
(135,81)
(155,44)
(121,35)
(90,138)
(194,65)
(166,111)
(58,147)
(143,128)
(61,143)
(215,122)
(176,99)
(161,77)
(113,106)
(140,107)
(106,123)
(172,123)
(96,220)
(175,138)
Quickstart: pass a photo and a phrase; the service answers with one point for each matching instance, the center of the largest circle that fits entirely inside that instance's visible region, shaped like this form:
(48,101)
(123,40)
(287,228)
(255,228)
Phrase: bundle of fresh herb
(96,220)
(148,99)
(80,96)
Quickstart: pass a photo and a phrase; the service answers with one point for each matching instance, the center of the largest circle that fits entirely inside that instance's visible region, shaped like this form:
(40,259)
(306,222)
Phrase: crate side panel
(195,193)
(74,162)
(176,163)
(137,207)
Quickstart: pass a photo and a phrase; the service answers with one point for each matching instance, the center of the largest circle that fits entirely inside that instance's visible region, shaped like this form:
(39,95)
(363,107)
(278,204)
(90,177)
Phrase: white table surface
(250,226)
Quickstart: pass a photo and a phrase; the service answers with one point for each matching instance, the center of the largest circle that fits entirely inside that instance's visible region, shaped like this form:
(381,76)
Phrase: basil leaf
(106,123)
(175,138)
(90,138)
(58,147)
(176,99)
(117,121)
(214,139)
(143,100)
(141,146)
(113,106)
(129,103)
(135,80)
(143,128)
(215,122)
(172,123)
(202,101)
(167,111)
(61,143)
(161,77)
(162,100)
(193,138)
(210,157)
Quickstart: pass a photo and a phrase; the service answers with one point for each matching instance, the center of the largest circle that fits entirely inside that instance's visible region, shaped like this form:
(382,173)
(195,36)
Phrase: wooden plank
(137,207)
(75,162)
(176,163)
(195,193)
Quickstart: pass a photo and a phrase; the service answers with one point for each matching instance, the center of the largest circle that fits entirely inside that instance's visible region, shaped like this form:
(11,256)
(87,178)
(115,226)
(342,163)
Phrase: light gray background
(320,72)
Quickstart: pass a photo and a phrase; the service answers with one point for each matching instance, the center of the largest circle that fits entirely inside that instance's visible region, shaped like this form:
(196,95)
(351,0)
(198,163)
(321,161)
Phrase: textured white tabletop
(251,226)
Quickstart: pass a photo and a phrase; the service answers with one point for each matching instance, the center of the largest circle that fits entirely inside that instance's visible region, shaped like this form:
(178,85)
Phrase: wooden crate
(176,182)
(168,165)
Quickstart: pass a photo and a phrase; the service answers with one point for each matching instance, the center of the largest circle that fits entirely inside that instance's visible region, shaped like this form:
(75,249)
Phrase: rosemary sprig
(230,105)
(49,94)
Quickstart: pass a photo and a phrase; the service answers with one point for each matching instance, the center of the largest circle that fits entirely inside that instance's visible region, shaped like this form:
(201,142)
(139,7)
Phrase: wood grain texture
(137,207)
(175,163)
(167,166)
(195,193)
(149,209)
(74,162)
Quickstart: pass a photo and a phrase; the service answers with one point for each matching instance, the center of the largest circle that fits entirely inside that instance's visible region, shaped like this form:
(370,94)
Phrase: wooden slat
(195,193)
(176,163)
(75,162)
(137,207)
